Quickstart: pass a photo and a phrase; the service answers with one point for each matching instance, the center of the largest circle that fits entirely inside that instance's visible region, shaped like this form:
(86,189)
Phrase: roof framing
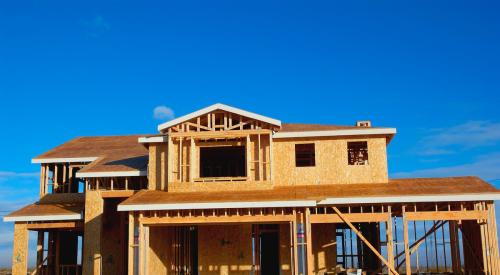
(218,106)
(34,218)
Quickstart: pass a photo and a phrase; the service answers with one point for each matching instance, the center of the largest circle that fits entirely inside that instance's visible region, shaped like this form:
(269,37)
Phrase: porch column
(20,249)
(308,241)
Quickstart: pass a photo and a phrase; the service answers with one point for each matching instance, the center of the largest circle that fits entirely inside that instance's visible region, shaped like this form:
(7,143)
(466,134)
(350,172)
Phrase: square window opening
(305,155)
(224,161)
(357,153)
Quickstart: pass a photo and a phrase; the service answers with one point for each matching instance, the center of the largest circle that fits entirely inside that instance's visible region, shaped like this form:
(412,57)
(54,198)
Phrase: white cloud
(471,134)
(10,174)
(485,167)
(163,112)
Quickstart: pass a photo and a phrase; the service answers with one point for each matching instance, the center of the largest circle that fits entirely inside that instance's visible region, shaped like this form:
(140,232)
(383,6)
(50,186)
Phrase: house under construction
(226,191)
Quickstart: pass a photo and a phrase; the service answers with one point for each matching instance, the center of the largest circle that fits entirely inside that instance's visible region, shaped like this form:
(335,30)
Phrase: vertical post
(295,262)
(20,249)
(493,237)
(141,247)
(308,245)
(180,159)
(131,227)
(406,241)
(249,157)
(42,180)
(454,247)
(170,152)
(389,238)
(192,163)
(39,252)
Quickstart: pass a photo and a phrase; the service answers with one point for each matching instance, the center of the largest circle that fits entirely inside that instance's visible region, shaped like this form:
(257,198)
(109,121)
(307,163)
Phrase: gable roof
(218,106)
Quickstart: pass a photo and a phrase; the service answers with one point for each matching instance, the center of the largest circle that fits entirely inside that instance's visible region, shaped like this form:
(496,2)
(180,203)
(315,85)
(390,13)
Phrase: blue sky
(429,68)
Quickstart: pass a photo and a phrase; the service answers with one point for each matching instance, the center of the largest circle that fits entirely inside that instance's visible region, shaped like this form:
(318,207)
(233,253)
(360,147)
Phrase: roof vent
(363,123)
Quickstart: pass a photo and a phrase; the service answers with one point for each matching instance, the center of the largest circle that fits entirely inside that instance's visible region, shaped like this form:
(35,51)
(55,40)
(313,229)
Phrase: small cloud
(468,135)
(96,26)
(163,112)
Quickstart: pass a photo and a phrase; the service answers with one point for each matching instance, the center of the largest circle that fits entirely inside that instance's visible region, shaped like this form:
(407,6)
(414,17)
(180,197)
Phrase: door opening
(269,249)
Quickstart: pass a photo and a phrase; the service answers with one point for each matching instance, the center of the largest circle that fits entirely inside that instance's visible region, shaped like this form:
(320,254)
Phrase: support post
(406,243)
(20,249)
(454,247)
(389,238)
(308,241)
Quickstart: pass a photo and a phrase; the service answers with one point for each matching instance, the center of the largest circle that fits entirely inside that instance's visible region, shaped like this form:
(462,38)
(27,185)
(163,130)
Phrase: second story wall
(331,162)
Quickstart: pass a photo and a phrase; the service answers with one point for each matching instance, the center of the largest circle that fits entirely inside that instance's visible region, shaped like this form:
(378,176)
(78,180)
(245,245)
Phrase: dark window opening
(304,155)
(357,153)
(222,161)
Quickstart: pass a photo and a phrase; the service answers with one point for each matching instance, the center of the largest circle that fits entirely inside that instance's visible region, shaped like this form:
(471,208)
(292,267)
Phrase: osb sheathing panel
(94,207)
(224,249)
(20,249)
(331,162)
(156,167)
(285,250)
(113,244)
(324,247)
(160,242)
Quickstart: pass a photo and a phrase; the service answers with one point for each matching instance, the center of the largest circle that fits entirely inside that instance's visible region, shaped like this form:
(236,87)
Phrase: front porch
(395,238)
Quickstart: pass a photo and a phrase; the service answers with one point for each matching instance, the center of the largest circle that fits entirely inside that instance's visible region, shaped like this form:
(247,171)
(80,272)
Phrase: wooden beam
(353,217)
(55,225)
(454,247)
(447,215)
(39,252)
(131,224)
(364,240)
(173,220)
(221,134)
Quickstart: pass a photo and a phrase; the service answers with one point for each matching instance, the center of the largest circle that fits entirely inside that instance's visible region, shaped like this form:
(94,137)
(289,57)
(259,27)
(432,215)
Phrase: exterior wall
(331,162)
(113,245)
(285,250)
(20,249)
(225,249)
(92,256)
(324,245)
(160,245)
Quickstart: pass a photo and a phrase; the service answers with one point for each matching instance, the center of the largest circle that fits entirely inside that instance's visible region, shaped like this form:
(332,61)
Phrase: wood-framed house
(226,191)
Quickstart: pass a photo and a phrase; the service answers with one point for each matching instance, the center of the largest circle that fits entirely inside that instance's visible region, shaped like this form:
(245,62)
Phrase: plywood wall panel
(225,249)
(331,162)
(92,258)
(20,249)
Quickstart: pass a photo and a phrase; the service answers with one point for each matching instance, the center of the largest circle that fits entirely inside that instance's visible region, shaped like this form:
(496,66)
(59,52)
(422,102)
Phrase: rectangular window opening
(223,161)
(357,153)
(304,155)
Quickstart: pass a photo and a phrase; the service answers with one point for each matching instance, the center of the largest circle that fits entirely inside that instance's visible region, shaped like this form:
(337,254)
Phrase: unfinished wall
(157,166)
(225,249)
(20,249)
(114,242)
(160,245)
(331,162)
(324,247)
(92,258)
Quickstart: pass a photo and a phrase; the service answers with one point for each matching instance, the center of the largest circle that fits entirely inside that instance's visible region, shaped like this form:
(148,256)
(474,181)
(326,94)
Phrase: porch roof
(396,190)
(50,208)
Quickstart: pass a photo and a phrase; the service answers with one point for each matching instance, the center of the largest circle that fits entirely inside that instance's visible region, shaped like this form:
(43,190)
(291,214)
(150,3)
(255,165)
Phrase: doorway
(269,249)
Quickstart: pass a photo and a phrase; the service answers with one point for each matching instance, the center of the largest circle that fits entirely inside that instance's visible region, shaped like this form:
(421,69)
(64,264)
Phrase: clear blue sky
(429,68)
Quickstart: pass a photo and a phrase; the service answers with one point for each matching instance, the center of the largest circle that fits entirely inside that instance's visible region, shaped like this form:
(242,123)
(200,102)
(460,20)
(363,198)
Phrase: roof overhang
(336,133)
(411,199)
(215,107)
(158,139)
(63,160)
(215,205)
(35,218)
(111,174)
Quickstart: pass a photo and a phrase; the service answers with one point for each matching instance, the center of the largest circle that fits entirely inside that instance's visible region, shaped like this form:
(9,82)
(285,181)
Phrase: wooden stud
(406,242)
